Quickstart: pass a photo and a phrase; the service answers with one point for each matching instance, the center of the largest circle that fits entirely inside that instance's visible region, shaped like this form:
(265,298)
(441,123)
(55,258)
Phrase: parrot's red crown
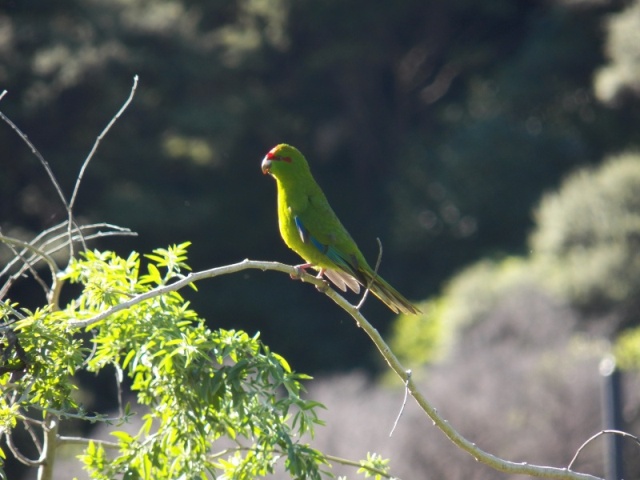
(273,156)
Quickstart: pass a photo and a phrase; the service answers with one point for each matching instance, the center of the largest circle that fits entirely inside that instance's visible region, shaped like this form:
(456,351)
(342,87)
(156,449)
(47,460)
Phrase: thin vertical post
(612,418)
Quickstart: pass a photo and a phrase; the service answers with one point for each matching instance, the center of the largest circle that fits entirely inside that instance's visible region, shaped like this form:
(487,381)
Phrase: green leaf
(128,358)
(282,362)
(123,436)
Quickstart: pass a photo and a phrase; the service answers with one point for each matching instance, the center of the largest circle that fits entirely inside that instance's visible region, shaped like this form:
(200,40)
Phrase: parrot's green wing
(320,229)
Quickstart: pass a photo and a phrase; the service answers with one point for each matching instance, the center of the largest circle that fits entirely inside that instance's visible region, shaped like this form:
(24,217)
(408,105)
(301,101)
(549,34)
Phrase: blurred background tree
(588,237)
(433,126)
(618,82)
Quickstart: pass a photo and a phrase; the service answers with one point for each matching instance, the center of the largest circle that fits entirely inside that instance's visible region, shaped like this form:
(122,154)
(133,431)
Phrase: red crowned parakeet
(309,227)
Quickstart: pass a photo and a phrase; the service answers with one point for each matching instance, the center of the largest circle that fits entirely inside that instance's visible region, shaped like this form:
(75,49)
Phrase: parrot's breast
(288,208)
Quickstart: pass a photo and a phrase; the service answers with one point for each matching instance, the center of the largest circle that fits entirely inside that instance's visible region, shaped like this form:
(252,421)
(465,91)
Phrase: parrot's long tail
(386,293)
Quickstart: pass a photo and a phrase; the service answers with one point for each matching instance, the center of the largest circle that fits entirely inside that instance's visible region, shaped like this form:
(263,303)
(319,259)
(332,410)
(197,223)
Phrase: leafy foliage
(199,386)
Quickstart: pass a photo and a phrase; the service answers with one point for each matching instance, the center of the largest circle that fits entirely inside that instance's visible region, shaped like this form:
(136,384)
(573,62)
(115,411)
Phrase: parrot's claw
(298,271)
(297,275)
(325,285)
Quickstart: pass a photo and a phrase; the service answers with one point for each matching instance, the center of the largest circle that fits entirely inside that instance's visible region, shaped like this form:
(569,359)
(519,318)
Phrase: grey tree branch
(43,247)
(45,472)
(85,164)
(39,156)
(489,459)
(602,432)
(27,263)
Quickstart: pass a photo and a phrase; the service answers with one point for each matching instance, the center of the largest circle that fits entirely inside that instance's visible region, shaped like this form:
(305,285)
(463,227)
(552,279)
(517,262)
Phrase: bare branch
(69,205)
(91,154)
(27,264)
(487,458)
(45,472)
(602,432)
(27,246)
(39,156)
(46,244)
(375,274)
(196,276)
(62,240)
(34,241)
(404,403)
(85,442)
(19,456)
(28,426)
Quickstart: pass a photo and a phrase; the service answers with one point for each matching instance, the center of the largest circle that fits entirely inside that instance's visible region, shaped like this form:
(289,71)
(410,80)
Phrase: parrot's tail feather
(342,280)
(388,295)
(378,286)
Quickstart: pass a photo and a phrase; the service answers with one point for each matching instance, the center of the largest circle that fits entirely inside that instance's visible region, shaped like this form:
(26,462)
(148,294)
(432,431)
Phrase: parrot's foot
(325,285)
(299,269)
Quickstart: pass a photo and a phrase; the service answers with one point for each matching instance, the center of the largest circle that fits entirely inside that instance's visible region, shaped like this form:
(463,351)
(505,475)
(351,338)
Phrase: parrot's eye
(277,158)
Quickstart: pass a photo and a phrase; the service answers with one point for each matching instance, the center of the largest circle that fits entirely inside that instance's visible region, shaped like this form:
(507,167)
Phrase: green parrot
(310,228)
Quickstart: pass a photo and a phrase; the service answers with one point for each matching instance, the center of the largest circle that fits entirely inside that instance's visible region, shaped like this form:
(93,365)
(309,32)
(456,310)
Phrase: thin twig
(28,265)
(39,156)
(602,432)
(404,403)
(41,244)
(92,153)
(29,420)
(96,417)
(28,426)
(79,235)
(71,224)
(64,440)
(94,349)
(19,456)
(33,241)
(62,240)
(375,274)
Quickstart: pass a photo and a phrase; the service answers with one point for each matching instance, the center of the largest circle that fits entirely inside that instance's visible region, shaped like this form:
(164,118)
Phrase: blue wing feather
(304,234)
(331,252)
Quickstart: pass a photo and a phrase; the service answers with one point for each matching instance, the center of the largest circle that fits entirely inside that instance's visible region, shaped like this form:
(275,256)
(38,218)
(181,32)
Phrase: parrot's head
(284,161)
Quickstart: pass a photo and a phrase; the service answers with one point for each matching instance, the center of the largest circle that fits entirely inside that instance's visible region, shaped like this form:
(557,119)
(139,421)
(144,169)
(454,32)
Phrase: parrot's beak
(266,165)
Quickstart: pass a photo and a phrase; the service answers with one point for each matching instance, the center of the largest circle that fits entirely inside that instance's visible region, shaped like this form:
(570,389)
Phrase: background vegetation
(445,128)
